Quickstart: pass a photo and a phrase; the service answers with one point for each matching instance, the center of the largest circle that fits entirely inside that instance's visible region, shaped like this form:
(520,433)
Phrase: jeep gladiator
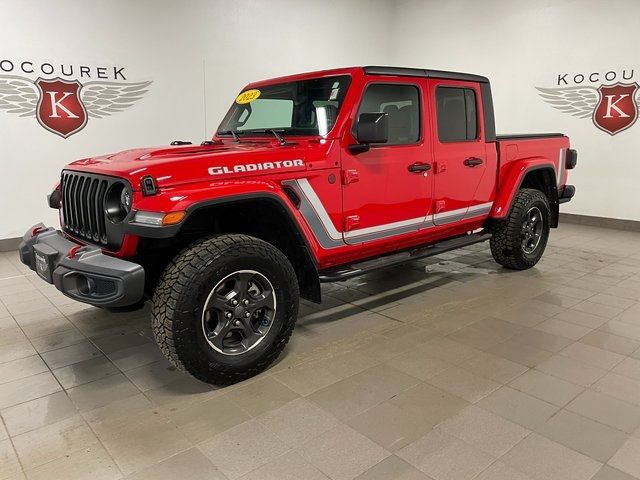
(310,178)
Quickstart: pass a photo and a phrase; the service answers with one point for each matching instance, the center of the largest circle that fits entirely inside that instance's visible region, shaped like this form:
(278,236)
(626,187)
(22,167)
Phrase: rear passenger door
(458,151)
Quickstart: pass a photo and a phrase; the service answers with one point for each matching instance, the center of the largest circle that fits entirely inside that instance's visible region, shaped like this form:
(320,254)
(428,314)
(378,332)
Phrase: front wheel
(225,307)
(519,241)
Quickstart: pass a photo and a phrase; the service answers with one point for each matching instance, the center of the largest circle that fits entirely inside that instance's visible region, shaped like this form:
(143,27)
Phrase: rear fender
(511,179)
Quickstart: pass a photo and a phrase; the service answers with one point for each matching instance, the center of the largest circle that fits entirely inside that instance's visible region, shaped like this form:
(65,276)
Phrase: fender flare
(247,197)
(308,276)
(516,174)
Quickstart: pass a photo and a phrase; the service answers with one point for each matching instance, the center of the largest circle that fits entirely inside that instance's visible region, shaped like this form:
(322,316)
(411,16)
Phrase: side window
(401,103)
(457,114)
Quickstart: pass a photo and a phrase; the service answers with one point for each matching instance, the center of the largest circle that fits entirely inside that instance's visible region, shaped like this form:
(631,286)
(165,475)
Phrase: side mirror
(373,128)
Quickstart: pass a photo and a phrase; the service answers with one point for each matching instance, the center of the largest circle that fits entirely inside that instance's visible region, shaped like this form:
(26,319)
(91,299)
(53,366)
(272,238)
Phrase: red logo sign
(60,109)
(64,106)
(617,109)
(612,108)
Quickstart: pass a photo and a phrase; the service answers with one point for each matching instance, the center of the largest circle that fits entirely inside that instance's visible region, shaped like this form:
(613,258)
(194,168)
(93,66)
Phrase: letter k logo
(60,109)
(611,105)
(617,109)
(57,104)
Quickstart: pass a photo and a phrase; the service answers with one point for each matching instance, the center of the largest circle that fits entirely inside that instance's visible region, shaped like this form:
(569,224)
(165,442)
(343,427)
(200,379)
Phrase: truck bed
(530,149)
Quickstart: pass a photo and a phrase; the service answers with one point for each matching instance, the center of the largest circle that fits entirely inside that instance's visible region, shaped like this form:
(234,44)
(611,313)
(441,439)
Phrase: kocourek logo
(64,97)
(611,99)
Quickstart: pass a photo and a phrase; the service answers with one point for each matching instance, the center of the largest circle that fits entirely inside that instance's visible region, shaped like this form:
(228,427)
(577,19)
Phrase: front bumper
(84,274)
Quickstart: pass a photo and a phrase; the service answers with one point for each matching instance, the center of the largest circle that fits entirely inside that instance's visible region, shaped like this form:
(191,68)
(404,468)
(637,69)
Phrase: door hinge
(351,222)
(350,176)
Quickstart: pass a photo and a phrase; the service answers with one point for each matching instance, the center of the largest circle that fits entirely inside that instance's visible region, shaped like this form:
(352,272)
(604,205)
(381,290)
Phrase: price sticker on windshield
(248,96)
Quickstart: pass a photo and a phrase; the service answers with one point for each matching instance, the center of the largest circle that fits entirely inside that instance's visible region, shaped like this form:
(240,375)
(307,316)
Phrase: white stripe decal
(381,228)
(378,231)
(560,172)
(310,193)
(480,209)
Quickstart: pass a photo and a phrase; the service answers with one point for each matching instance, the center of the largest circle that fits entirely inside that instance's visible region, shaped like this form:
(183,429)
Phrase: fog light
(85,285)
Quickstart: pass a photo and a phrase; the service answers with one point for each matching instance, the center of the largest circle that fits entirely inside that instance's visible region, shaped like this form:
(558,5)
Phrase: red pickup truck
(310,178)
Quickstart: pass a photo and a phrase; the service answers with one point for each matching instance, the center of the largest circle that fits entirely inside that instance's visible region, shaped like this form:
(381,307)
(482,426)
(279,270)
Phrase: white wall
(254,39)
(197,53)
(138,35)
(521,44)
(200,53)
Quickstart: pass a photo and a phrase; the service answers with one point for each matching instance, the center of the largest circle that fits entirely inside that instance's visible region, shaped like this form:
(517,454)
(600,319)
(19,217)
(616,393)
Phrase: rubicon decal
(64,106)
(255,167)
(613,107)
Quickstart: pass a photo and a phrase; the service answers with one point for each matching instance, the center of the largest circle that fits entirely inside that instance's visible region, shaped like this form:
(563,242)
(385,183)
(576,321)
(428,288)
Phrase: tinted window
(402,105)
(305,107)
(267,113)
(457,116)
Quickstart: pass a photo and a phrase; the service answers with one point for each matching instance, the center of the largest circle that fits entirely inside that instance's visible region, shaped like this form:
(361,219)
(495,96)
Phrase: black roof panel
(422,72)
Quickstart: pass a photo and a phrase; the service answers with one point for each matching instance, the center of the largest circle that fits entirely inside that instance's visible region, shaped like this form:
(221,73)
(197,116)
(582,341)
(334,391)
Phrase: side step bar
(345,272)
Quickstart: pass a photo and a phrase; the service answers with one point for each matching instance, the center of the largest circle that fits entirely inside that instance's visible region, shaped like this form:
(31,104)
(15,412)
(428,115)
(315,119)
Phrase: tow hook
(73,251)
(36,231)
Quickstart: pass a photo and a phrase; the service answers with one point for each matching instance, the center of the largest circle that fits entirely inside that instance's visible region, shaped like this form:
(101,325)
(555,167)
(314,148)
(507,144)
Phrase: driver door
(387,190)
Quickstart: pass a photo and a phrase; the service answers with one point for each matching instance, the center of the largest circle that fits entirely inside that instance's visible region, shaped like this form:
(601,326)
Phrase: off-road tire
(183,289)
(506,242)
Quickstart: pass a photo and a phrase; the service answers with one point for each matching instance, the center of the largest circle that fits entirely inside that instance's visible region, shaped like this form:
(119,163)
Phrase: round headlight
(118,202)
(125,200)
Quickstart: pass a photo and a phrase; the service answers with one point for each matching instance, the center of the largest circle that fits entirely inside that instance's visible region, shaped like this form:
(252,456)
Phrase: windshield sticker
(254,167)
(248,96)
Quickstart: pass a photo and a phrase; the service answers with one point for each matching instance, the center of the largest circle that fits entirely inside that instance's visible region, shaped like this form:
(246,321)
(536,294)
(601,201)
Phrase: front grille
(83,207)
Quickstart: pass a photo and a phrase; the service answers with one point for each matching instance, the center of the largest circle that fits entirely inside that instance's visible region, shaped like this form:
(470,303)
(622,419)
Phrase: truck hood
(176,165)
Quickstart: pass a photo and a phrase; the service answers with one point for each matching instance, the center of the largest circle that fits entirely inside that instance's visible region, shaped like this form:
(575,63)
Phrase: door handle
(472,162)
(419,167)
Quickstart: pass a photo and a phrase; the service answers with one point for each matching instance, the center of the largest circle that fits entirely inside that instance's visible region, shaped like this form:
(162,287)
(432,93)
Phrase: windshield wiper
(233,133)
(280,138)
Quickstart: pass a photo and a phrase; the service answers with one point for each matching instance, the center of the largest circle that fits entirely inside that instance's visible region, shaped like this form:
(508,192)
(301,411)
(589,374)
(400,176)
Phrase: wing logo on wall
(64,107)
(612,108)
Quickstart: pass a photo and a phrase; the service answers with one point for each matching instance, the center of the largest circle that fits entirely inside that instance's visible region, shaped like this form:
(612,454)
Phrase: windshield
(306,107)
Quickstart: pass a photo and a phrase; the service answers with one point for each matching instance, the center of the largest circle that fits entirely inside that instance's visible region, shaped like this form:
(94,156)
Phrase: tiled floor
(448,369)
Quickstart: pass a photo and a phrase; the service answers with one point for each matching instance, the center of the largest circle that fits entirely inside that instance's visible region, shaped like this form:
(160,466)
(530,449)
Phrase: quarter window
(402,105)
(457,114)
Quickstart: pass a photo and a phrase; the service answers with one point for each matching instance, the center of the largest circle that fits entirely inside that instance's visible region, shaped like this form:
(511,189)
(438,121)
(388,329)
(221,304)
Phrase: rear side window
(401,103)
(457,114)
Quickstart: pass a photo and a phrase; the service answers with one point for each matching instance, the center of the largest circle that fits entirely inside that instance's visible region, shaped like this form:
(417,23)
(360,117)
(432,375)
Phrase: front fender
(191,197)
(198,198)
(185,197)
(511,177)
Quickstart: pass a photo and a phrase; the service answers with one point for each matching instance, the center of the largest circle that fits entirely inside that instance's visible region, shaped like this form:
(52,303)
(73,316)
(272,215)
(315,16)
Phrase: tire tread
(505,242)
(167,320)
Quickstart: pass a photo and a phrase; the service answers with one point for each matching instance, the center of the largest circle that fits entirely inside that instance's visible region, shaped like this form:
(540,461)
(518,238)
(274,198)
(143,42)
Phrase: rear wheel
(225,308)
(519,241)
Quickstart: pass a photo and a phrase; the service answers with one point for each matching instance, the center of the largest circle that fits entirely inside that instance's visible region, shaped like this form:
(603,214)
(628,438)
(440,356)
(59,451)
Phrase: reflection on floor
(446,369)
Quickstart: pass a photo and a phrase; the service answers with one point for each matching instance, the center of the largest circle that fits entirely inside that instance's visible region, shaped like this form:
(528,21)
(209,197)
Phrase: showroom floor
(463,371)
